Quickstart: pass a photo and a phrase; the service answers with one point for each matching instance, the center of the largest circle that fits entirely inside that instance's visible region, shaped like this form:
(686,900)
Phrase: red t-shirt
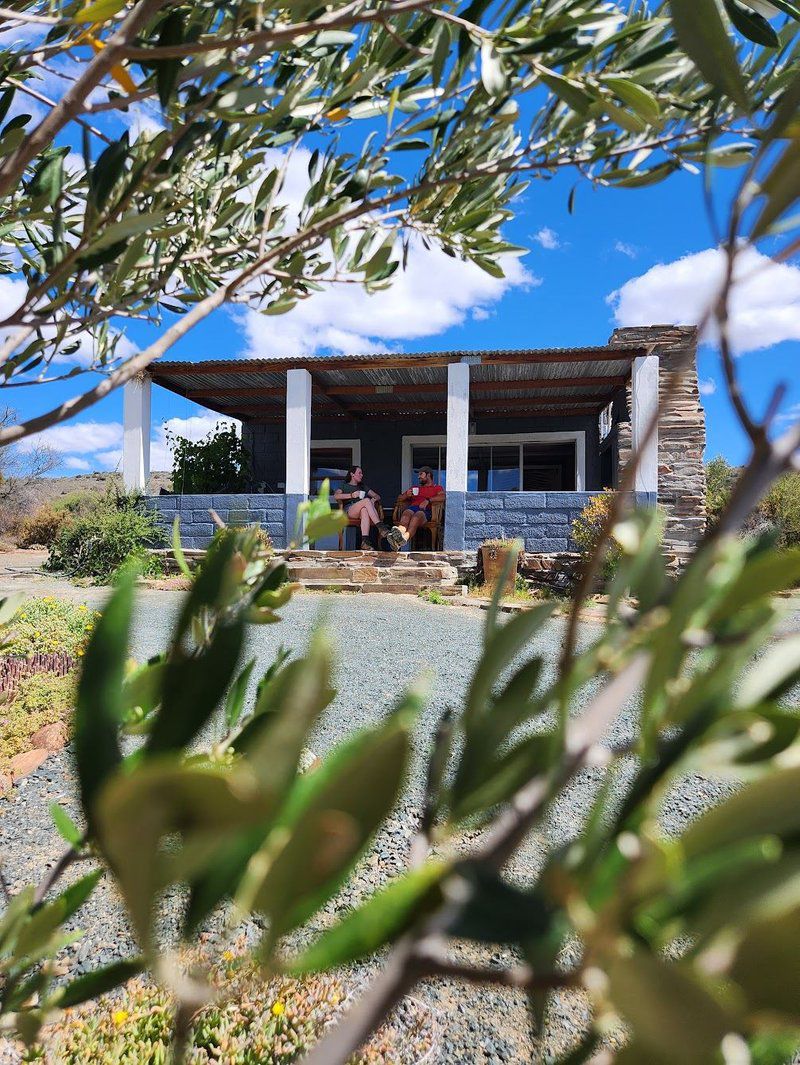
(427,492)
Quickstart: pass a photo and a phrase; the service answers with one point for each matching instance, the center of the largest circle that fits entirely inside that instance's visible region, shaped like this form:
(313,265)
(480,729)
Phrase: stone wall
(681,432)
(197,527)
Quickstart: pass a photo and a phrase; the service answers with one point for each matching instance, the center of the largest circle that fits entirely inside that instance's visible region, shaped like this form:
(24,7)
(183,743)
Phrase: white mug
(362,495)
(415,491)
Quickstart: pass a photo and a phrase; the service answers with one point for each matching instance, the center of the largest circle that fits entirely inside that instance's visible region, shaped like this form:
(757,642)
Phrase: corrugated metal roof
(361,385)
(289,362)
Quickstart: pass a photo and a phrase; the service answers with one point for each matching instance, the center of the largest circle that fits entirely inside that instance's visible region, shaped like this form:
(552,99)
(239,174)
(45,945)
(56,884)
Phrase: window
(606,420)
(493,468)
(529,462)
(548,467)
(434,456)
(330,462)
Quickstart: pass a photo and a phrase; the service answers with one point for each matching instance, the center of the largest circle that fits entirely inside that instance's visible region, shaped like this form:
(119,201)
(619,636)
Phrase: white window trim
(576,436)
(354,444)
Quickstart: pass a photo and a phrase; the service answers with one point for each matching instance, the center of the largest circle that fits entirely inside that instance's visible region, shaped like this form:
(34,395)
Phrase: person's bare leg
(416,523)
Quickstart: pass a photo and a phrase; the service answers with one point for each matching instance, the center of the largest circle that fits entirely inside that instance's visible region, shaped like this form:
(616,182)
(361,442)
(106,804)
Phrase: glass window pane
(479,464)
(504,472)
(433,455)
(330,462)
(548,467)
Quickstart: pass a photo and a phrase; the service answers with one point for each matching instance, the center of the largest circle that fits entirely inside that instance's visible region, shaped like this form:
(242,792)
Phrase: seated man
(418,510)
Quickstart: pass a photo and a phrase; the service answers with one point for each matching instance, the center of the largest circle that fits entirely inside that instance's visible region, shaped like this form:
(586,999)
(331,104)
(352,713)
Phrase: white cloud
(790,416)
(93,445)
(707,386)
(13,291)
(433,294)
(630,250)
(72,462)
(765,301)
(79,438)
(548,238)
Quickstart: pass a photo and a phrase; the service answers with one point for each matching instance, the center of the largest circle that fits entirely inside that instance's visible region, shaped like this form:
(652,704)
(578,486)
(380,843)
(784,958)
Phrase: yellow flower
(278,1009)
(228,955)
(80,654)
(119,1017)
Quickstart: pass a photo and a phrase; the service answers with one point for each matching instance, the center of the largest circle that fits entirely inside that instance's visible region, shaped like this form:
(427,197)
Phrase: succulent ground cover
(249,1021)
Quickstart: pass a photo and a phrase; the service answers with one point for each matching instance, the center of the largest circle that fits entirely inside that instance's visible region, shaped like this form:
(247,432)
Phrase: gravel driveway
(385,641)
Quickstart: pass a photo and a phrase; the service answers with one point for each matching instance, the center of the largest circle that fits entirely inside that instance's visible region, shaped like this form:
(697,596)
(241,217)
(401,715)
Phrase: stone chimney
(681,432)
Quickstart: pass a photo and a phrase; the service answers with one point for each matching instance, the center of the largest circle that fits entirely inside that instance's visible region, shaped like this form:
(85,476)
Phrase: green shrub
(48,625)
(41,699)
(720,478)
(586,533)
(40,528)
(97,543)
(217,463)
(779,509)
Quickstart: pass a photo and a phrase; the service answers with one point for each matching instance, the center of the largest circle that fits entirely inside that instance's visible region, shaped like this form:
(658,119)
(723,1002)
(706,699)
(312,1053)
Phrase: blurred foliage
(690,938)
(218,463)
(48,624)
(260,153)
(778,511)
(95,542)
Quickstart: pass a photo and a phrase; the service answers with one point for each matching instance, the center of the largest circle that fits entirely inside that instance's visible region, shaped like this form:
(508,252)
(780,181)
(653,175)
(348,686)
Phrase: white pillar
(644,407)
(136,434)
(457,454)
(457,425)
(298,432)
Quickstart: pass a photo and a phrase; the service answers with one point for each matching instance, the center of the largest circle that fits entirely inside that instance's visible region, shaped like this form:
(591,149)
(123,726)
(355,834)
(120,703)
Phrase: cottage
(521,439)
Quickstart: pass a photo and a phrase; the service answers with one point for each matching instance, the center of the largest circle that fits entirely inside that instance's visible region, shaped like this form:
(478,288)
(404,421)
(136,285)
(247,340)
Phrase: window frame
(576,436)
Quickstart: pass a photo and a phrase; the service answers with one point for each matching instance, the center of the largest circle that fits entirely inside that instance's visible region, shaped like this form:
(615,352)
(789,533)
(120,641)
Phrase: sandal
(366,545)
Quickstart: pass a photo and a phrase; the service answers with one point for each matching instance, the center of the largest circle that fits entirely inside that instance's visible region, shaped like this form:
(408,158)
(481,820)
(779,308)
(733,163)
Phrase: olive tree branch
(68,108)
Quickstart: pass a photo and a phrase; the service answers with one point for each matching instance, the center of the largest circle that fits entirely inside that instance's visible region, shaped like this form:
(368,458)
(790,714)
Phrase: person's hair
(426,469)
(349,478)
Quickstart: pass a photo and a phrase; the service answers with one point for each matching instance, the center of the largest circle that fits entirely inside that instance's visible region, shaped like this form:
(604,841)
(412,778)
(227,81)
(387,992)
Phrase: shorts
(416,509)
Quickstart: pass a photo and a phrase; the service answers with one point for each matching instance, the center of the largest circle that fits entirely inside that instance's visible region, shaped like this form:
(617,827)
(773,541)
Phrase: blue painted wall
(543,520)
(197,528)
(382,444)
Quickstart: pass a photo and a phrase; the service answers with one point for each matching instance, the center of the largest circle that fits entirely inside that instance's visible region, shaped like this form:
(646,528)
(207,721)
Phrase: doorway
(331,459)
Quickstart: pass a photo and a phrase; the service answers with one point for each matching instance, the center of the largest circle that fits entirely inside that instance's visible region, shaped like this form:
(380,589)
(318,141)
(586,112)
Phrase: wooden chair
(434,526)
(355,523)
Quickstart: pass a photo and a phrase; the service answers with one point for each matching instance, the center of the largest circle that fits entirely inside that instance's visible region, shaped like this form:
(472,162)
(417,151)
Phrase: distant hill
(52,488)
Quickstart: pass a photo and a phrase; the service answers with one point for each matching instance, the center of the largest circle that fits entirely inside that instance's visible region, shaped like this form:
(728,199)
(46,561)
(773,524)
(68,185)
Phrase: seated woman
(358,501)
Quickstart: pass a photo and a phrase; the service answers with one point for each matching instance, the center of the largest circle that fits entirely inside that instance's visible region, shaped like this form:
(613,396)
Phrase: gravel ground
(386,640)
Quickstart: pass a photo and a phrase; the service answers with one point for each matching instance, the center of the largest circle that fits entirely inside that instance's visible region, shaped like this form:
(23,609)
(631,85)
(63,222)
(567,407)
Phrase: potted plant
(500,557)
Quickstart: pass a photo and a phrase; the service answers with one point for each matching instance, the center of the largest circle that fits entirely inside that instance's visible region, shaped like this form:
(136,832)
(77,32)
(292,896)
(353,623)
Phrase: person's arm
(374,495)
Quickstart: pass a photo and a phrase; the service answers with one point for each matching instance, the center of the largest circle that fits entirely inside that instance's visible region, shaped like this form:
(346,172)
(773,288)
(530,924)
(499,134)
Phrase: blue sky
(653,248)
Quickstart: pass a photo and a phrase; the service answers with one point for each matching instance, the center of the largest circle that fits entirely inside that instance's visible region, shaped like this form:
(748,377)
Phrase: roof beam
(500,406)
(532,383)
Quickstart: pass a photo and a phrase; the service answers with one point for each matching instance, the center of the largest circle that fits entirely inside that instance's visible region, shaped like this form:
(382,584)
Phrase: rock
(6,784)
(51,737)
(23,764)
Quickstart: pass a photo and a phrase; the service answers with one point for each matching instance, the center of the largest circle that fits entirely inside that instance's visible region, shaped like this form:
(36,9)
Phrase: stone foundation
(377,571)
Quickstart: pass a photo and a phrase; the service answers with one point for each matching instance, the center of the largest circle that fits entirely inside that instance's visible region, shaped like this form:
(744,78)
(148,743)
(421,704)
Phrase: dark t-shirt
(347,488)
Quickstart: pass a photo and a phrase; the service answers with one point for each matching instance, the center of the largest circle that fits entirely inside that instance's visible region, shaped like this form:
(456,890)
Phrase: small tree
(218,463)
